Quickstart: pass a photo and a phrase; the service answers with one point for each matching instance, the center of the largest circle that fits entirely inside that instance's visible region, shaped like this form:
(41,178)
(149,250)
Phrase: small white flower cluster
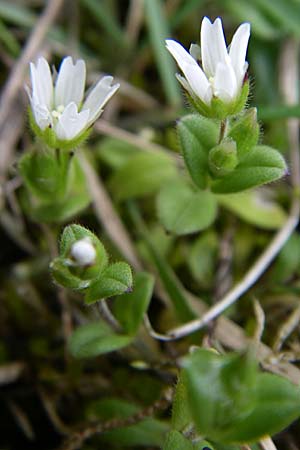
(83,252)
(60,105)
(223,70)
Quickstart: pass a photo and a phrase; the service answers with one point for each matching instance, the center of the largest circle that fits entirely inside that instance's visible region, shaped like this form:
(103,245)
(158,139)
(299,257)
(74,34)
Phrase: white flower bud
(83,252)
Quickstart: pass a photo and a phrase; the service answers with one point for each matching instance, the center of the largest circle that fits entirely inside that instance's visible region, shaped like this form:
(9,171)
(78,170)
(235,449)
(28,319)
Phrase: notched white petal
(70,82)
(71,123)
(225,85)
(191,70)
(41,82)
(41,115)
(213,45)
(238,50)
(99,96)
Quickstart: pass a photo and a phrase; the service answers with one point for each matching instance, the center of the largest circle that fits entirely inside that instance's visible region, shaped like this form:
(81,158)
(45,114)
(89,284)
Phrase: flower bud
(83,252)
(245,132)
(222,159)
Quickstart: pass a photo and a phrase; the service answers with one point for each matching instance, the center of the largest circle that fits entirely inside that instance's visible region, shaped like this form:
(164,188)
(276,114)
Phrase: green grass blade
(268,113)
(158,32)
(106,20)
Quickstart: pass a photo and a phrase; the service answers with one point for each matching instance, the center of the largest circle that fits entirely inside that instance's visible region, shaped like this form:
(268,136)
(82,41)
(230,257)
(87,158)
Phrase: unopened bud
(83,252)
(222,159)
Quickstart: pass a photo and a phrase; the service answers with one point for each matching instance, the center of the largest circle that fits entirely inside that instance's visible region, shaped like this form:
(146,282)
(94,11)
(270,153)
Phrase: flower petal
(41,115)
(238,50)
(70,82)
(71,123)
(213,46)
(99,96)
(41,82)
(225,85)
(193,73)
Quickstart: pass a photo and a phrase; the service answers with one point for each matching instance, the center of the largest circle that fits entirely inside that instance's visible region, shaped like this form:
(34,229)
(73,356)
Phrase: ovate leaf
(197,136)
(183,210)
(142,174)
(95,339)
(260,166)
(253,208)
(114,280)
(130,308)
(277,405)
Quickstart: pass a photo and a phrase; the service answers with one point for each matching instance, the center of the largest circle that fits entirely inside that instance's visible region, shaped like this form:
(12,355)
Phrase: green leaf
(143,174)
(277,405)
(176,441)
(245,132)
(262,165)
(130,308)
(197,136)
(251,207)
(219,390)
(181,416)
(241,404)
(182,210)
(114,280)
(150,431)
(201,258)
(96,339)
(115,152)
(287,263)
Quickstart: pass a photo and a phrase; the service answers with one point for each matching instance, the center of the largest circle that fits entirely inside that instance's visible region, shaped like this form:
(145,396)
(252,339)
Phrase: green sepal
(129,309)
(96,339)
(245,132)
(60,270)
(197,136)
(116,279)
(73,233)
(49,138)
(260,166)
(218,109)
(222,158)
(183,210)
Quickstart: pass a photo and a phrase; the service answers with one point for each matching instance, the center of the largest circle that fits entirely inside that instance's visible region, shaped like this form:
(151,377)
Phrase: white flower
(83,252)
(60,105)
(223,69)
